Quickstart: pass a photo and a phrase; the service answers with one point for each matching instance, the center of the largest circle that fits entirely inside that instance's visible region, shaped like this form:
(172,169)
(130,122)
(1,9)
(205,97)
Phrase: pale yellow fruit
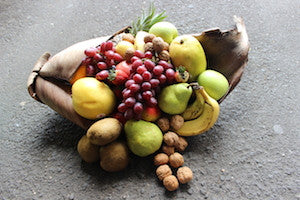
(122,47)
(186,51)
(92,99)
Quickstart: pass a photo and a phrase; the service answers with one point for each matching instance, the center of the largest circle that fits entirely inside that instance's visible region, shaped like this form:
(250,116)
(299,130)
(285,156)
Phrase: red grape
(149,65)
(130,101)
(110,62)
(97,57)
(102,65)
(147,95)
(90,52)
(90,70)
(152,102)
(137,78)
(128,114)
(122,107)
(102,75)
(170,73)
(138,108)
(87,61)
(109,54)
(136,64)
(148,54)
(154,83)
(141,69)
(139,97)
(146,76)
(134,58)
(102,47)
(134,88)
(158,70)
(128,83)
(119,116)
(146,86)
(139,54)
(117,57)
(126,94)
(165,64)
(162,79)
(109,45)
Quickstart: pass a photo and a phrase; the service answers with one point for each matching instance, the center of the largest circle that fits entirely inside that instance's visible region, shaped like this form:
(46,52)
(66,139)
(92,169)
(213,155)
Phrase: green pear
(143,138)
(186,51)
(174,99)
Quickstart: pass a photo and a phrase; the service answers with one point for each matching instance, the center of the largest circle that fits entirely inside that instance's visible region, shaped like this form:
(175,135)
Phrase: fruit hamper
(226,52)
(145,81)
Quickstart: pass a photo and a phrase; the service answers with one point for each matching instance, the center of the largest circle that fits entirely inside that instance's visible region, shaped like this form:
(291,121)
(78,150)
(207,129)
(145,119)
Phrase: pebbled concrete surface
(251,153)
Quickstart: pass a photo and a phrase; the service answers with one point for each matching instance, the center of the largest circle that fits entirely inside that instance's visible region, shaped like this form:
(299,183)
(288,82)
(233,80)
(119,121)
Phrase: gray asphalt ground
(251,153)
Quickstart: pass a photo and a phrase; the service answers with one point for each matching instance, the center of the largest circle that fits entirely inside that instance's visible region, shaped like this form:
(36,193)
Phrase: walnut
(184,174)
(176,122)
(171,183)
(171,138)
(163,171)
(158,44)
(128,37)
(164,124)
(149,38)
(149,47)
(168,150)
(181,144)
(166,46)
(161,159)
(129,54)
(164,55)
(176,160)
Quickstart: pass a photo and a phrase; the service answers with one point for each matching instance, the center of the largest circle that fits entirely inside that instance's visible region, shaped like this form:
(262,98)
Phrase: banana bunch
(201,115)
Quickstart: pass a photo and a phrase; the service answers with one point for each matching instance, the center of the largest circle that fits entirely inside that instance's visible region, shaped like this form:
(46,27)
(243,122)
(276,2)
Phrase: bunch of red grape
(145,82)
(99,60)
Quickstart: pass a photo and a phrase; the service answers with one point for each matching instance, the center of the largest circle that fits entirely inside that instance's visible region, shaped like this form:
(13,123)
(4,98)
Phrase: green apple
(214,83)
(166,30)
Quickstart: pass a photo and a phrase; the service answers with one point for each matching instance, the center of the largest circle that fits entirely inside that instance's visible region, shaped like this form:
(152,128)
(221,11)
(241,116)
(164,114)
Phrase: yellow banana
(196,108)
(139,43)
(206,120)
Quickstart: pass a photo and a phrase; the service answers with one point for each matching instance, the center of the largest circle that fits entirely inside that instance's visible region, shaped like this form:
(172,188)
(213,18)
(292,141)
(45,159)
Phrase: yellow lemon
(122,47)
(92,99)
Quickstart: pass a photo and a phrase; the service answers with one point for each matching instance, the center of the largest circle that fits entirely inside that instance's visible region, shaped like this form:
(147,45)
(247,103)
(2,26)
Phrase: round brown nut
(166,46)
(128,37)
(164,55)
(163,171)
(176,160)
(149,47)
(181,144)
(158,44)
(176,122)
(171,183)
(168,150)
(161,159)
(129,54)
(184,174)
(170,138)
(164,124)
(149,38)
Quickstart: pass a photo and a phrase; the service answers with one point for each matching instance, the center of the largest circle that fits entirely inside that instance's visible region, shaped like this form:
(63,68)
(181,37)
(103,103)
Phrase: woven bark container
(226,52)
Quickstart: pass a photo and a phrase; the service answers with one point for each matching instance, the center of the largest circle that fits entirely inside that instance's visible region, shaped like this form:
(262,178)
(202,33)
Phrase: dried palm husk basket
(48,82)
